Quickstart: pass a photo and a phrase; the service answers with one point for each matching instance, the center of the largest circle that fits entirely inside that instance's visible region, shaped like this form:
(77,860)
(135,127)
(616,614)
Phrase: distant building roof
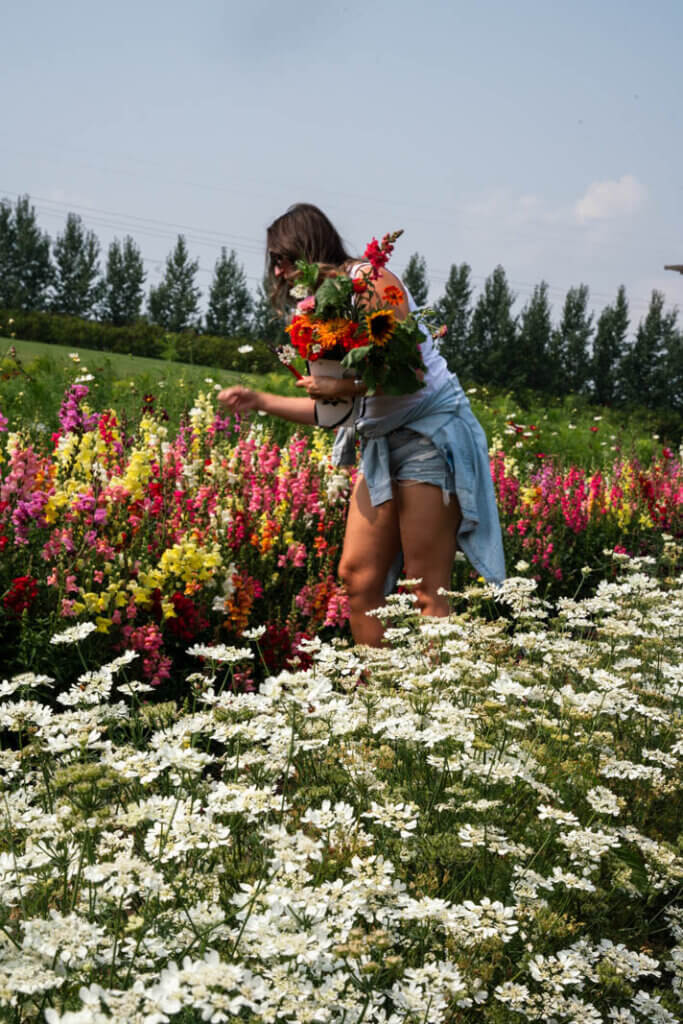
(675,266)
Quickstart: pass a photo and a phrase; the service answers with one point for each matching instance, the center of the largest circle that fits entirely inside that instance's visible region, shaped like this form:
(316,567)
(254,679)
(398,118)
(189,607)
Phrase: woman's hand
(239,399)
(327,387)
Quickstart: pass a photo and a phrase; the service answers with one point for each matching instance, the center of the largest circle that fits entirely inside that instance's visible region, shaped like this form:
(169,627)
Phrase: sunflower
(380,326)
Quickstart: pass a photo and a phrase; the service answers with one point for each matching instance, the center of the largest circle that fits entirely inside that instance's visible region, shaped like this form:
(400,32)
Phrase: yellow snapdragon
(137,475)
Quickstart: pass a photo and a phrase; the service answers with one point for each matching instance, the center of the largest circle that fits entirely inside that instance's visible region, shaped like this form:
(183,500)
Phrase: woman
(425,484)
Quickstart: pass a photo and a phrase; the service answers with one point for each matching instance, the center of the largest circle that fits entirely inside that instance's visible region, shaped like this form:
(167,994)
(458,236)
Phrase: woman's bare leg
(428,531)
(371,543)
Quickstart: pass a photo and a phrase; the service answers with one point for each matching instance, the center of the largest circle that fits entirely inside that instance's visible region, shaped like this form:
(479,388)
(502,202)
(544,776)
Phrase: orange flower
(393,295)
(331,333)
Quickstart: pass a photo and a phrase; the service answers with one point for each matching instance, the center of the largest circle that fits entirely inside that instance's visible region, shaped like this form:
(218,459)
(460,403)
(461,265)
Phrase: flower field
(163,537)
(215,808)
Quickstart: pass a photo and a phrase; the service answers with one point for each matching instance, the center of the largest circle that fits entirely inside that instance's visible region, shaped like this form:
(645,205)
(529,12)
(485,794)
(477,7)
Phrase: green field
(126,365)
(569,430)
(32,385)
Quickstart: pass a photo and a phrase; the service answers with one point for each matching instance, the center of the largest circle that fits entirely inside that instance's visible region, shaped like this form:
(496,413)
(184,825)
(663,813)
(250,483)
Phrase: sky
(545,137)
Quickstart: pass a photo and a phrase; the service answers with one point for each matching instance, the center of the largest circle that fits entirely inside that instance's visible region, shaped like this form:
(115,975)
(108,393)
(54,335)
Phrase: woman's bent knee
(359,579)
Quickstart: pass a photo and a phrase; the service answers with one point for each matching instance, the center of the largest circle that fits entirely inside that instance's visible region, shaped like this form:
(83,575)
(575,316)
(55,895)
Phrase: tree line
(65,276)
(486,341)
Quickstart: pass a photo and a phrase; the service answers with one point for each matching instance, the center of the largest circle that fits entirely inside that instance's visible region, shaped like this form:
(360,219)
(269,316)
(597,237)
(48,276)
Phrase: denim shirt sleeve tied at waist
(446,418)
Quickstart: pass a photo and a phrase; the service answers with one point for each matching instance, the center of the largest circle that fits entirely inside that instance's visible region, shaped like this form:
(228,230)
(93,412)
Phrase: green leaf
(355,357)
(333,298)
(307,274)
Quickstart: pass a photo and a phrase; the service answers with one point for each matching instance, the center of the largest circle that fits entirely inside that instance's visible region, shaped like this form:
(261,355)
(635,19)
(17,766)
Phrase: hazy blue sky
(542,136)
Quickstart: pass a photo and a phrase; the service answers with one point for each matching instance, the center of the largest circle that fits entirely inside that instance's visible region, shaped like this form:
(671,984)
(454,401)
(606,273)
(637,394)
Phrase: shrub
(140,339)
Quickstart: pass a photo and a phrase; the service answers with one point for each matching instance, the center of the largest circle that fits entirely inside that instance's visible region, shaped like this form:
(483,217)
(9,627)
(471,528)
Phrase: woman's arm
(296,410)
(241,399)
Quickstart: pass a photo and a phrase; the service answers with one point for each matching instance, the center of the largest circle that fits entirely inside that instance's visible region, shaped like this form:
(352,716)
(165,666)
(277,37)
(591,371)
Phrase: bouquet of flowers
(344,318)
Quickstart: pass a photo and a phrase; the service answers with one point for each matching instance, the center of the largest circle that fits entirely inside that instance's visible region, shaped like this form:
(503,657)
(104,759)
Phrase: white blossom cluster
(476,822)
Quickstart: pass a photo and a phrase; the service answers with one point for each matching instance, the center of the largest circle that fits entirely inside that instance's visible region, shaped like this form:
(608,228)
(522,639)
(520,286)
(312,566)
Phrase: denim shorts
(413,458)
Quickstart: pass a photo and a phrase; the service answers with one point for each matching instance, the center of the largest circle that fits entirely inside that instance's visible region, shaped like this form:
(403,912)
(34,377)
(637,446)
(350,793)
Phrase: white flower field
(481,821)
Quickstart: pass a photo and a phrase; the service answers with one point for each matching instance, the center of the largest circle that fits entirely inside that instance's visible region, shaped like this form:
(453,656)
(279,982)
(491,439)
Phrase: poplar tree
(77,283)
(673,368)
(174,303)
(608,349)
(123,283)
(230,303)
(454,310)
(493,330)
(643,370)
(266,323)
(7,247)
(415,278)
(570,347)
(528,365)
(25,268)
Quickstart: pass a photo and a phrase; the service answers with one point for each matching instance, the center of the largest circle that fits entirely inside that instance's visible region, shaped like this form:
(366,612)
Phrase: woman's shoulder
(357,268)
(385,285)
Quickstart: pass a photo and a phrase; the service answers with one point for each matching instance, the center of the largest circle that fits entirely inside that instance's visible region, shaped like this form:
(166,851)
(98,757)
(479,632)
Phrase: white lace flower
(74,634)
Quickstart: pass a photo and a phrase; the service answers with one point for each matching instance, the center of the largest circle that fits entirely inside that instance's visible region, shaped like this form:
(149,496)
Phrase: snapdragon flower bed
(163,538)
(481,821)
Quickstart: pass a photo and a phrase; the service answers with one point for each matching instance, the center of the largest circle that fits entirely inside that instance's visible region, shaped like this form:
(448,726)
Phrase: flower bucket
(332,412)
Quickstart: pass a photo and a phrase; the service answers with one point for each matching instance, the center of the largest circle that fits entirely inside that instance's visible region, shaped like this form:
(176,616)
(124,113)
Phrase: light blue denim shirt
(444,416)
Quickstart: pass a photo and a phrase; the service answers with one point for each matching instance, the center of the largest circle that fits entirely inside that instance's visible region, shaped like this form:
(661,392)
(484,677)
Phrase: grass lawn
(134,366)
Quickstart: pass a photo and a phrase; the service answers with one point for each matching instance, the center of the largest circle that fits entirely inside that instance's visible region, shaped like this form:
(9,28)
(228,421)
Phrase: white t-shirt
(436,375)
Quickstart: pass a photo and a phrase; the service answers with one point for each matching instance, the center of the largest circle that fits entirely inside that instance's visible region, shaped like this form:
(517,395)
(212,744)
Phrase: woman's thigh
(371,541)
(428,530)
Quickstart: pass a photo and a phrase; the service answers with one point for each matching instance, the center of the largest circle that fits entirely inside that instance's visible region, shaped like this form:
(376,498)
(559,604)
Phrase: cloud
(606,200)
(503,209)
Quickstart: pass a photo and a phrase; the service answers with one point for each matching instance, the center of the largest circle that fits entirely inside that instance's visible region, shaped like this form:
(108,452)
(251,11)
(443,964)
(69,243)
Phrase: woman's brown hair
(302,233)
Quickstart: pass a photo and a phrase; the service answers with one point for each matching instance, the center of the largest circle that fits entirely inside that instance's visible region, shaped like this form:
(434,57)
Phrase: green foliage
(265,322)
(494,331)
(674,373)
(399,379)
(454,310)
(140,339)
(174,302)
(77,286)
(6,254)
(333,296)
(528,363)
(308,275)
(123,283)
(571,344)
(415,279)
(608,349)
(25,268)
(33,382)
(230,303)
(568,429)
(644,370)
